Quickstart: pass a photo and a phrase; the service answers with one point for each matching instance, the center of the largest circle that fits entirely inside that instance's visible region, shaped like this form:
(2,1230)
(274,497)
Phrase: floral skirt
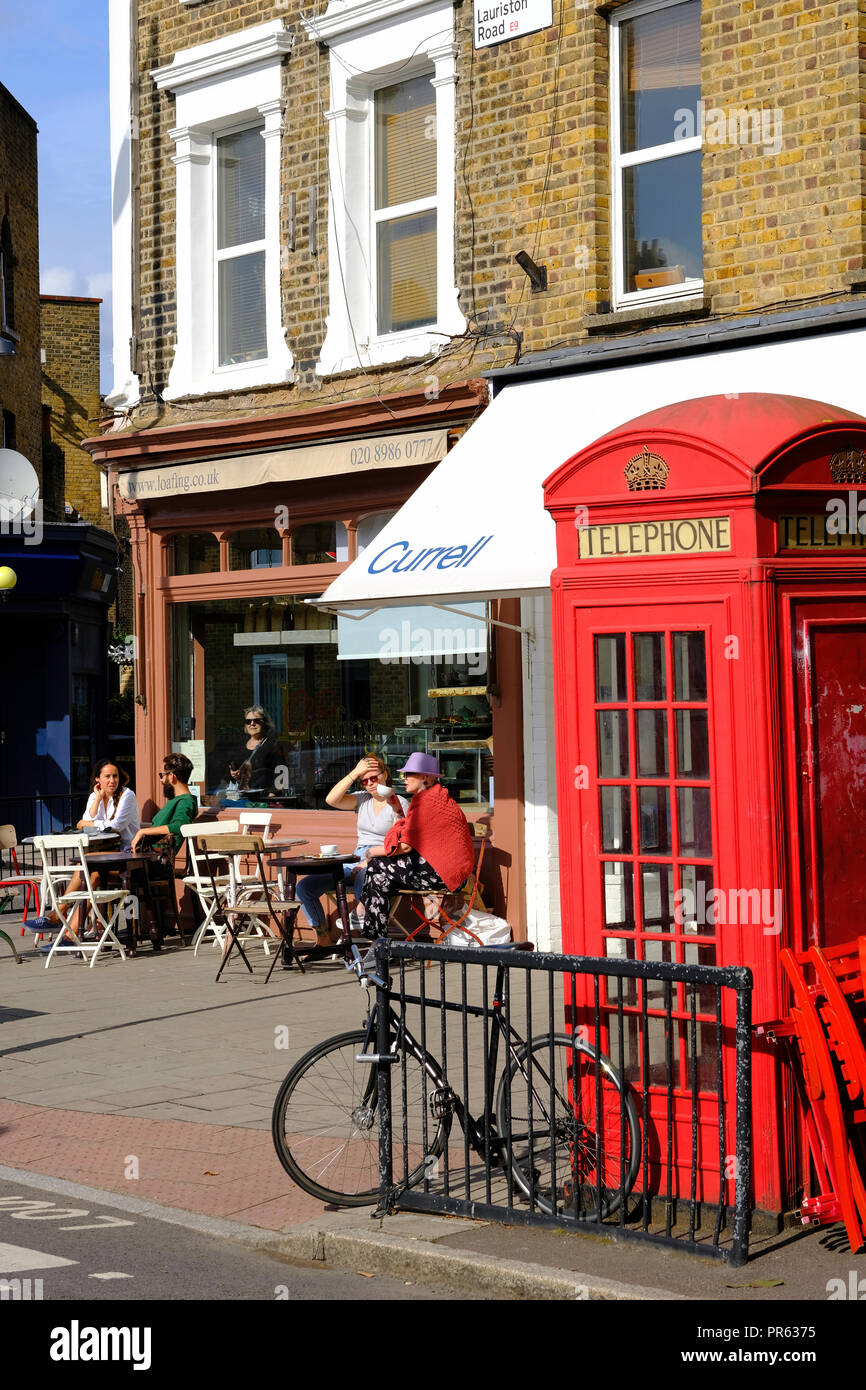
(385,878)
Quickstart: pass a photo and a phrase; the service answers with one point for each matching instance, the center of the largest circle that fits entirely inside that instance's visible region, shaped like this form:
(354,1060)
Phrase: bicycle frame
(481,1130)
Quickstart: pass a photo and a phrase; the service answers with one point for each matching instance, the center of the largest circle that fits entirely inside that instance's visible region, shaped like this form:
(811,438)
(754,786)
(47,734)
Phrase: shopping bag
(489,930)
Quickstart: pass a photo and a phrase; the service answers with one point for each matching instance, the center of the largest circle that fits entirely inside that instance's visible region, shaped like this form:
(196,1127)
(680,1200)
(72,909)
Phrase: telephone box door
(830,670)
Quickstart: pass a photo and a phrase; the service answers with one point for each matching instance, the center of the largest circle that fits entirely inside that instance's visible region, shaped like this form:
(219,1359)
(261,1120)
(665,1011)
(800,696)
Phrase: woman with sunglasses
(376,816)
(254,766)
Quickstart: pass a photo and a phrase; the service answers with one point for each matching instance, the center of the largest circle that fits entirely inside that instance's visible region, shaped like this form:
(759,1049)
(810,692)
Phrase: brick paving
(147,1066)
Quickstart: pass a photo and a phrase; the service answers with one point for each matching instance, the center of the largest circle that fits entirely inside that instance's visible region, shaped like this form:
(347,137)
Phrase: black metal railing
(35,815)
(605,1094)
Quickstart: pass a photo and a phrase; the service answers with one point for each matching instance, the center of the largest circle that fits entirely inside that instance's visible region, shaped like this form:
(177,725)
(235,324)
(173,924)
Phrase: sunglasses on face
(374,778)
(252,721)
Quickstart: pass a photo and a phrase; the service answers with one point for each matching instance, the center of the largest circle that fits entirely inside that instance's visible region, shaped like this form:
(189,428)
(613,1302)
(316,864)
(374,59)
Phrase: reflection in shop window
(256,549)
(320,543)
(281,653)
(195,552)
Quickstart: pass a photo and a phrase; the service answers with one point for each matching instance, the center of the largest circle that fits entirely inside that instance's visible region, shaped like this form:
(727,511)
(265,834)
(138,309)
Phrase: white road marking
(16,1259)
(112,1274)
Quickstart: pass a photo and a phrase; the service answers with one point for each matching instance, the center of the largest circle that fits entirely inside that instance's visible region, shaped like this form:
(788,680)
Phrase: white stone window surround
(623,298)
(373,44)
(220,87)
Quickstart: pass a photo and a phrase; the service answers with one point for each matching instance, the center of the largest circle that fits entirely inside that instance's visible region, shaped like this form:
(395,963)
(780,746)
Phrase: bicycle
(326,1137)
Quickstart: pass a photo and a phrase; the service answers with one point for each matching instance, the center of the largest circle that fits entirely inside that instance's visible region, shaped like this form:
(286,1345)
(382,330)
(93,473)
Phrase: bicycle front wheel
(325,1126)
(567,1155)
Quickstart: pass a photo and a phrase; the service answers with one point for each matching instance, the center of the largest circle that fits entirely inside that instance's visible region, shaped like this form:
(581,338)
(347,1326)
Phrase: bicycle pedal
(442,1103)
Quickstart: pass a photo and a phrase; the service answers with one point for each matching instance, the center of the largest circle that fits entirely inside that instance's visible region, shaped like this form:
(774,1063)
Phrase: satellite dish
(19,486)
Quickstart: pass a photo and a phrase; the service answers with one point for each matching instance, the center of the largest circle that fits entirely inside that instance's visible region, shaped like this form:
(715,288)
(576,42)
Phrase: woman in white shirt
(111,805)
(375,818)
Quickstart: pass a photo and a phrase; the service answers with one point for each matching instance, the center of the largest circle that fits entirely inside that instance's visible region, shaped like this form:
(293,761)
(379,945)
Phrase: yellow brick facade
(532,158)
(70,390)
(19,373)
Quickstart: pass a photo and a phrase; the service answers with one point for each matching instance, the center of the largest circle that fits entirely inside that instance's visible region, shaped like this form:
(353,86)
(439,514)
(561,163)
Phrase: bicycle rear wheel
(324,1122)
(561,1156)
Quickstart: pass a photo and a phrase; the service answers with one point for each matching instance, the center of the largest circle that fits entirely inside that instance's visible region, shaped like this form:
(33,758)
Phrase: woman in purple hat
(428,850)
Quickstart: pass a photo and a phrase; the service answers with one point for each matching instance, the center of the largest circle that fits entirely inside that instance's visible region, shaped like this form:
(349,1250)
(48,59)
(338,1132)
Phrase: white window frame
(392,212)
(375,44)
(228,253)
(227,85)
(623,298)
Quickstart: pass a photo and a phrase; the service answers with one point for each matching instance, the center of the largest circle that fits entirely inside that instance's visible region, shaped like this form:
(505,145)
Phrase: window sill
(384,352)
(264,372)
(695,307)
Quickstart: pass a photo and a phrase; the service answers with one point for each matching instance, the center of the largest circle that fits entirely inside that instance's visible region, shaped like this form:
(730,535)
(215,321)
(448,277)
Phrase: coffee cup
(384,791)
(328,849)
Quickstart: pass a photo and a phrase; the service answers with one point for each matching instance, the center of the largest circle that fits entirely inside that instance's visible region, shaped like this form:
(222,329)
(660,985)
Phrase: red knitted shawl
(435,826)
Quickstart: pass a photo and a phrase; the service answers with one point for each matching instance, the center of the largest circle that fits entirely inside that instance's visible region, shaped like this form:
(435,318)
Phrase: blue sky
(54,61)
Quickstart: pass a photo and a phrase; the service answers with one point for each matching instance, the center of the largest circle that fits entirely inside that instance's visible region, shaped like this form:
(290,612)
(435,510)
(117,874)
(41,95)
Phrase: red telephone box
(709,608)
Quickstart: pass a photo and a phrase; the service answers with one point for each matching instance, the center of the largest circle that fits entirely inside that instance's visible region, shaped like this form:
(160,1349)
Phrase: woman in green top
(181,808)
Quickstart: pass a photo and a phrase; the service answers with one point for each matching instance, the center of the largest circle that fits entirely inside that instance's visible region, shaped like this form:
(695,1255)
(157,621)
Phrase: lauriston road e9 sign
(499,20)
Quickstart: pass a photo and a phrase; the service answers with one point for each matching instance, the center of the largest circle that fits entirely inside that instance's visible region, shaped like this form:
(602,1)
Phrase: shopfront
(236,529)
(710,692)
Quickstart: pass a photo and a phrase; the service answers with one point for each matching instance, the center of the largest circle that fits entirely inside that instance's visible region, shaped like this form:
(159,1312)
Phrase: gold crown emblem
(646,472)
(848,466)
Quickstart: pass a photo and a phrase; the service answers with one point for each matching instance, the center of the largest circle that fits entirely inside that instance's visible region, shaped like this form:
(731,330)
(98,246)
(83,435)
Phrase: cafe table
(293,867)
(125,862)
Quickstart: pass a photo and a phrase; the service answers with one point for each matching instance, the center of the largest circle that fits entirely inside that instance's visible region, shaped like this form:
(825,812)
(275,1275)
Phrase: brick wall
(533,172)
(70,389)
(19,374)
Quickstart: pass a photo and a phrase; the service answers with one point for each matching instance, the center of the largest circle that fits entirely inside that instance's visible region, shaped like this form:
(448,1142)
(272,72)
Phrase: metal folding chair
(95,902)
(469,895)
(235,905)
(9,841)
(198,880)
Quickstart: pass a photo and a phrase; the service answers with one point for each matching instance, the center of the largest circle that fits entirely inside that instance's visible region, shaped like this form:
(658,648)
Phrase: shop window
(194,552)
(656,132)
(369,528)
(392,186)
(255,550)
(227,136)
(326,713)
(320,543)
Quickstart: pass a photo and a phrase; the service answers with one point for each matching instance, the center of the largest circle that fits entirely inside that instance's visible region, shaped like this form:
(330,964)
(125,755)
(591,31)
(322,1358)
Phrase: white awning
(476,527)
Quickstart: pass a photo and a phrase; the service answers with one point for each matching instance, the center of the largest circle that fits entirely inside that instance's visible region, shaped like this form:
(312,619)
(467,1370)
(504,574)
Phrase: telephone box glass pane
(699,954)
(657,897)
(652,743)
(693,744)
(612,743)
(655,820)
(696,909)
(618,892)
(690,666)
(695,828)
(615,819)
(610,677)
(649,666)
(658,950)
(620,948)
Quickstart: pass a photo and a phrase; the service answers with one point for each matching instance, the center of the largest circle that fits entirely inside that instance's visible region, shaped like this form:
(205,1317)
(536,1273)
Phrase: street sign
(496,21)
